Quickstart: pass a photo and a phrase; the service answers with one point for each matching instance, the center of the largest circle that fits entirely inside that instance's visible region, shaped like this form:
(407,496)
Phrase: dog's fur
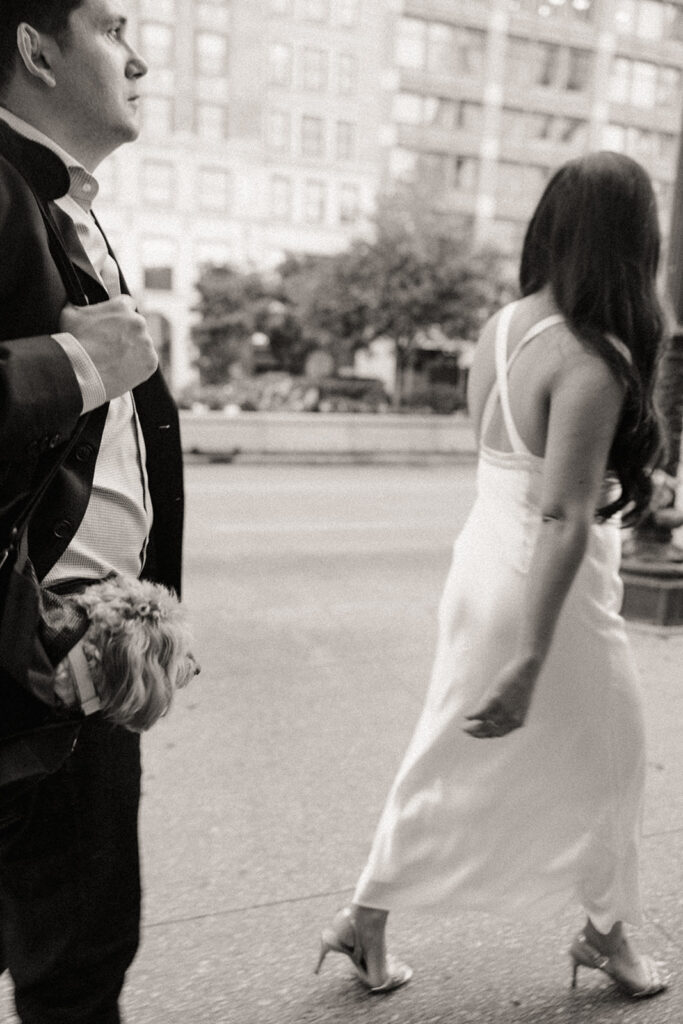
(138,649)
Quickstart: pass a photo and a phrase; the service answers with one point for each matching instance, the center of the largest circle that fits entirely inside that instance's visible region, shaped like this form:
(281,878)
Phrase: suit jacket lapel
(122,281)
(91,283)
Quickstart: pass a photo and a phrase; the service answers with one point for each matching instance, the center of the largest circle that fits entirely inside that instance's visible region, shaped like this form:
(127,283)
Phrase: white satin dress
(519,825)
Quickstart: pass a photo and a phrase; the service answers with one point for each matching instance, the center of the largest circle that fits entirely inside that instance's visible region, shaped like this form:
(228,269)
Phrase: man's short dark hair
(49,16)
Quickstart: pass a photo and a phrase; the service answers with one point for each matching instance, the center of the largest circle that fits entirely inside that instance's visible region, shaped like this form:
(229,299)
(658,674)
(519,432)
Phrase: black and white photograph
(341,511)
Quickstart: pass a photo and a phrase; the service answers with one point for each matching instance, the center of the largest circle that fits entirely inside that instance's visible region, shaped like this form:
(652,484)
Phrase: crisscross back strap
(503,364)
(501,332)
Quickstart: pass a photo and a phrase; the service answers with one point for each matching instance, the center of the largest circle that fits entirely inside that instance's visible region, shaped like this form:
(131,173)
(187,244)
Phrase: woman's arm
(584,407)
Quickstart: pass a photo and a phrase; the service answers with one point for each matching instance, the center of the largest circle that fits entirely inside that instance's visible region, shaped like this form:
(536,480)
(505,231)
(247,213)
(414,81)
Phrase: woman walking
(522,785)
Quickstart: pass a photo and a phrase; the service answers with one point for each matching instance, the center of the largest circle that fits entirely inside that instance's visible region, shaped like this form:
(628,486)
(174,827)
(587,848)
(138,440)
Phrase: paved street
(313,590)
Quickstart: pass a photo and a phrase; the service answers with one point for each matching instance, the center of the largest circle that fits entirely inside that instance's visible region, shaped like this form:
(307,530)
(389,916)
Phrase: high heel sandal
(583,954)
(341,937)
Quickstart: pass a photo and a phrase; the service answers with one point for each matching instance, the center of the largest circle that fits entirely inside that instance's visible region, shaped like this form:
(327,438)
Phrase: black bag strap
(76,295)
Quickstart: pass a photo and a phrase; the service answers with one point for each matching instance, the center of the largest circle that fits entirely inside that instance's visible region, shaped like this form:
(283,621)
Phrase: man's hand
(116,338)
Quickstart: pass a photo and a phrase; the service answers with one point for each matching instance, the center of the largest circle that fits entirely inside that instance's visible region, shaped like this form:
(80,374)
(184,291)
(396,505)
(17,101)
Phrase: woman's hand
(505,705)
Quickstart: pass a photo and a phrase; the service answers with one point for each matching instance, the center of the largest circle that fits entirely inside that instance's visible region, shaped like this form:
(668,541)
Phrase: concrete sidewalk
(287,836)
(314,595)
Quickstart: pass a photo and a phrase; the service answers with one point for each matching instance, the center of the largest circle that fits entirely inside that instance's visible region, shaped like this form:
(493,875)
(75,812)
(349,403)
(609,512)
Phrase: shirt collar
(83,186)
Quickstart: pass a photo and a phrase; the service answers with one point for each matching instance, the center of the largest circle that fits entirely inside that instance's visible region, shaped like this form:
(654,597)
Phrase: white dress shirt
(113,534)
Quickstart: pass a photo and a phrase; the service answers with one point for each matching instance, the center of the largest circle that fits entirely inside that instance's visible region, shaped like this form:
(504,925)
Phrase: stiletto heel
(583,954)
(575,971)
(324,950)
(341,937)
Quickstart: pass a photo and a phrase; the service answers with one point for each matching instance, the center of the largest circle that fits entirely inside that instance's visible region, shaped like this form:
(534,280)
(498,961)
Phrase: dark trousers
(70,881)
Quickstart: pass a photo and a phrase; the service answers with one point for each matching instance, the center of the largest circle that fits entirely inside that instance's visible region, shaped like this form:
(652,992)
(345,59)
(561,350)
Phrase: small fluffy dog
(135,654)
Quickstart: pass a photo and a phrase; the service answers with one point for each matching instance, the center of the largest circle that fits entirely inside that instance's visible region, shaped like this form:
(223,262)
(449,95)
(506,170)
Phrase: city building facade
(260,136)
(270,127)
(490,96)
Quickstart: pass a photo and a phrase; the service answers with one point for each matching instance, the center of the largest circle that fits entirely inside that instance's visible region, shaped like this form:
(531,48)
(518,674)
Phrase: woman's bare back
(535,370)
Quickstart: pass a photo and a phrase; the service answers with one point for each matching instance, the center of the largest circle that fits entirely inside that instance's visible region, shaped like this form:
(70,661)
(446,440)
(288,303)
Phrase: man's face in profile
(97,74)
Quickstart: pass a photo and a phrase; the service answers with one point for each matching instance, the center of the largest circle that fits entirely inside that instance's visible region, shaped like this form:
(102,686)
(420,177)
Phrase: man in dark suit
(75,356)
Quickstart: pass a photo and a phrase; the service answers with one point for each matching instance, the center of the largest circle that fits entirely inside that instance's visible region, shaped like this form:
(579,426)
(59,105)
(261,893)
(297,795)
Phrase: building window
(521,127)
(649,19)
(645,85)
(579,67)
(668,87)
(349,204)
(403,164)
(312,137)
(158,258)
(280,64)
(507,235)
(212,54)
(469,116)
(211,121)
(432,170)
(157,116)
(521,181)
(278,132)
(346,140)
(157,44)
(158,9)
(159,279)
(548,65)
(212,15)
(281,197)
(650,147)
(411,43)
(408,108)
(347,12)
(214,189)
(466,173)
(314,10)
(314,201)
(158,182)
(314,70)
(435,111)
(347,74)
(440,49)
(554,10)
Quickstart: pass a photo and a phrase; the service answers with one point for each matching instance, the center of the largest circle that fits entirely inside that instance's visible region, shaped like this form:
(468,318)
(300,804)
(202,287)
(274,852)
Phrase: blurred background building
(270,127)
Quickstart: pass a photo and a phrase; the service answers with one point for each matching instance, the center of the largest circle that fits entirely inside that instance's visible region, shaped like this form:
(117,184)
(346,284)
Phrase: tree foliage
(234,306)
(419,270)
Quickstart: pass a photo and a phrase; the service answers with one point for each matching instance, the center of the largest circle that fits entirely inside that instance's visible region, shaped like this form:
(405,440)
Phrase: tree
(235,306)
(420,270)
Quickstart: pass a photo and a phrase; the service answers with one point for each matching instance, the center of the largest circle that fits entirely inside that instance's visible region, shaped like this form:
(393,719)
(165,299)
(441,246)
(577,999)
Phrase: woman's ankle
(607,942)
(369,920)
(369,913)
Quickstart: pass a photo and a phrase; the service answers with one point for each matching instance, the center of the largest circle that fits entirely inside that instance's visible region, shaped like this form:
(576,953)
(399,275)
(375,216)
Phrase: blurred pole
(653,539)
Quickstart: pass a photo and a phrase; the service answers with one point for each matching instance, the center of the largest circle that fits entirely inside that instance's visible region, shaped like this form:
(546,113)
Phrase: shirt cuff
(87,375)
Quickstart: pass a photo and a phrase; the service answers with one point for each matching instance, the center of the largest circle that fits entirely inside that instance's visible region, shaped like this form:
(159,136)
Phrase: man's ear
(35,52)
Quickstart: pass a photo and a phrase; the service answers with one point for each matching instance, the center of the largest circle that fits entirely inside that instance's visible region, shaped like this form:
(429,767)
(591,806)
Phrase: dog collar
(85,688)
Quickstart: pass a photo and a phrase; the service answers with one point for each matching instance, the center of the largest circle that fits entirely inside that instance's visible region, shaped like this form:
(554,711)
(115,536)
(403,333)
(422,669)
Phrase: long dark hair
(595,240)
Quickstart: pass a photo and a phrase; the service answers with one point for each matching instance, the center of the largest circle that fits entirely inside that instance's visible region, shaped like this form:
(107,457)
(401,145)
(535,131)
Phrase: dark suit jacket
(40,400)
